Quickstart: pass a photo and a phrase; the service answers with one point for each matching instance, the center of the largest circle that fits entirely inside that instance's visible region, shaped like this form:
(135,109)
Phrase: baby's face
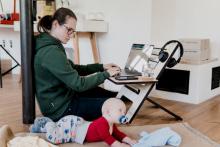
(117,111)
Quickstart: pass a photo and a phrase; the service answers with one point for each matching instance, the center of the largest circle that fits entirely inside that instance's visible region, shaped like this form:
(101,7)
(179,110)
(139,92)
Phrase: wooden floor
(204,117)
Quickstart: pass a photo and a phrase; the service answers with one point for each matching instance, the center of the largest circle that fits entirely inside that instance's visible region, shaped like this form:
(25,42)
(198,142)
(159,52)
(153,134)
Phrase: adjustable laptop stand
(17,64)
(138,90)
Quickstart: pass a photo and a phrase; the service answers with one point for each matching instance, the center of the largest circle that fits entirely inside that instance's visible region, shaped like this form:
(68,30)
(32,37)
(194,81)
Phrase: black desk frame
(6,72)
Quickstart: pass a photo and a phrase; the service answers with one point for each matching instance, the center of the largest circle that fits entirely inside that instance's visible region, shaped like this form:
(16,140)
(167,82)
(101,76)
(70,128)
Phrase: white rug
(190,136)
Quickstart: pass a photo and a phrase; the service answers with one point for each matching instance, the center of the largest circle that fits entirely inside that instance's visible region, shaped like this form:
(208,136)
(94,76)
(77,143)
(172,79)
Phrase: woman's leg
(98,92)
(88,104)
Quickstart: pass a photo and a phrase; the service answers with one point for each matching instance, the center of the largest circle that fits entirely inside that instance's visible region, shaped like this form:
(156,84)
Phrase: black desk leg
(166,110)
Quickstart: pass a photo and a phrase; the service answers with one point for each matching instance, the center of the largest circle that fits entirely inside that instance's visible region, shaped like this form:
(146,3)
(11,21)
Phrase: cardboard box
(45,8)
(195,50)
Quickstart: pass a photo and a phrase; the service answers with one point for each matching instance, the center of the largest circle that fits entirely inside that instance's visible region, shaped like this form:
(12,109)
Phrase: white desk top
(141,80)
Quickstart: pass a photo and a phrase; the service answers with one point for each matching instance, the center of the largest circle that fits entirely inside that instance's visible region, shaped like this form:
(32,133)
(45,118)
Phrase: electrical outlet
(3,43)
(10,44)
(7,44)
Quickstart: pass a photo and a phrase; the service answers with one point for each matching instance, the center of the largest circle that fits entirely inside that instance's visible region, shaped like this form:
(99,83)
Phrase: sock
(160,137)
(39,125)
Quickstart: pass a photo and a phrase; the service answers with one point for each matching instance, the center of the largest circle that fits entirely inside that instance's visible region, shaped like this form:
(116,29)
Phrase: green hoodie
(57,79)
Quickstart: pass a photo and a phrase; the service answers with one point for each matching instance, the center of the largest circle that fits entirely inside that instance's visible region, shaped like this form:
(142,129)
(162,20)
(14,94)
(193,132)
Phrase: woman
(63,88)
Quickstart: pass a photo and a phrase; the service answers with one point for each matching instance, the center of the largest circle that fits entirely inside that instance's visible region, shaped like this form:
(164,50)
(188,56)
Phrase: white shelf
(17,26)
(6,26)
(82,26)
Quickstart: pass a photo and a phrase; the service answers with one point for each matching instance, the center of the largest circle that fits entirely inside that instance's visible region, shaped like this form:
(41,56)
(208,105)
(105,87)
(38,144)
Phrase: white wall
(9,35)
(129,22)
(163,25)
(199,18)
(174,19)
(133,21)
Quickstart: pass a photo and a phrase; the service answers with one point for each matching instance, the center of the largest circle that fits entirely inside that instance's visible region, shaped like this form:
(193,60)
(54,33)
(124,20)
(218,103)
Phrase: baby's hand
(119,144)
(129,141)
(125,145)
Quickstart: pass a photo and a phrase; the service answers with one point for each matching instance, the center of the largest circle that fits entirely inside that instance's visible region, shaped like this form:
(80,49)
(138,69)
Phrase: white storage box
(92,26)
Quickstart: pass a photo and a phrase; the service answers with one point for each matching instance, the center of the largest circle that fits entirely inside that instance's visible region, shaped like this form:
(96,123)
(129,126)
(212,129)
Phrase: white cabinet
(200,80)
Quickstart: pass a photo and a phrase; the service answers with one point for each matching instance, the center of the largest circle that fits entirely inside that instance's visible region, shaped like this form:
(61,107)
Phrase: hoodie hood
(44,39)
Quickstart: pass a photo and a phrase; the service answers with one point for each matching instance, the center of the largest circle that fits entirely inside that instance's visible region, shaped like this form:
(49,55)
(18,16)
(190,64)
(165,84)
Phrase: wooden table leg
(76,48)
(95,50)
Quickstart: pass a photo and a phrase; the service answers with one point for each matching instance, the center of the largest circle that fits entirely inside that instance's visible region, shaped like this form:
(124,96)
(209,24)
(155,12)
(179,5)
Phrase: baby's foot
(39,125)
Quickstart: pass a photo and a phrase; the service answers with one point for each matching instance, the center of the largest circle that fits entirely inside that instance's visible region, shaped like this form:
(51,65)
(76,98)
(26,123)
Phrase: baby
(74,129)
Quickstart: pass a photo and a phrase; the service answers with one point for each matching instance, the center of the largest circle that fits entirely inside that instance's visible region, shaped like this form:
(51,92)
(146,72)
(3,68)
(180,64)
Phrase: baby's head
(114,110)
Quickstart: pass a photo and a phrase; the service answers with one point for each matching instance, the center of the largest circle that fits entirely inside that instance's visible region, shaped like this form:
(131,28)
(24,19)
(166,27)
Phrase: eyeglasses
(69,30)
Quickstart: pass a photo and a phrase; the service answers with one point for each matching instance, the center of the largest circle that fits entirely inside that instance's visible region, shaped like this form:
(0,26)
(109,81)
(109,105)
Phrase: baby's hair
(111,102)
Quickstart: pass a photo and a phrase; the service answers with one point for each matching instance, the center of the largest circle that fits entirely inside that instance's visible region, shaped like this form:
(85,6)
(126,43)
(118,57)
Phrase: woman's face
(64,32)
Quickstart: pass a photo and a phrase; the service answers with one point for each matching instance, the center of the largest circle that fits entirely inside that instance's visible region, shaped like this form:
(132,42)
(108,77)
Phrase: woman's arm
(57,64)
(87,69)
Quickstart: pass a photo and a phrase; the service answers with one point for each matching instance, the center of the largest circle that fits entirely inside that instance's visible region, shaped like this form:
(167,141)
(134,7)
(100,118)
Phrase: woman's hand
(110,65)
(113,71)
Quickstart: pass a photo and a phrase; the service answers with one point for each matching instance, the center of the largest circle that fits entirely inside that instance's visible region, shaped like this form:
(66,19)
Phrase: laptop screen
(139,55)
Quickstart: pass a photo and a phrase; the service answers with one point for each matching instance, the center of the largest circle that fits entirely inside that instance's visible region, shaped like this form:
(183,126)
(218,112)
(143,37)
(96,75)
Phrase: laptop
(138,56)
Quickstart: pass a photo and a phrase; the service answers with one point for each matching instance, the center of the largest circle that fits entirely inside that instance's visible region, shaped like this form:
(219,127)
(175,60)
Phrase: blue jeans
(88,104)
